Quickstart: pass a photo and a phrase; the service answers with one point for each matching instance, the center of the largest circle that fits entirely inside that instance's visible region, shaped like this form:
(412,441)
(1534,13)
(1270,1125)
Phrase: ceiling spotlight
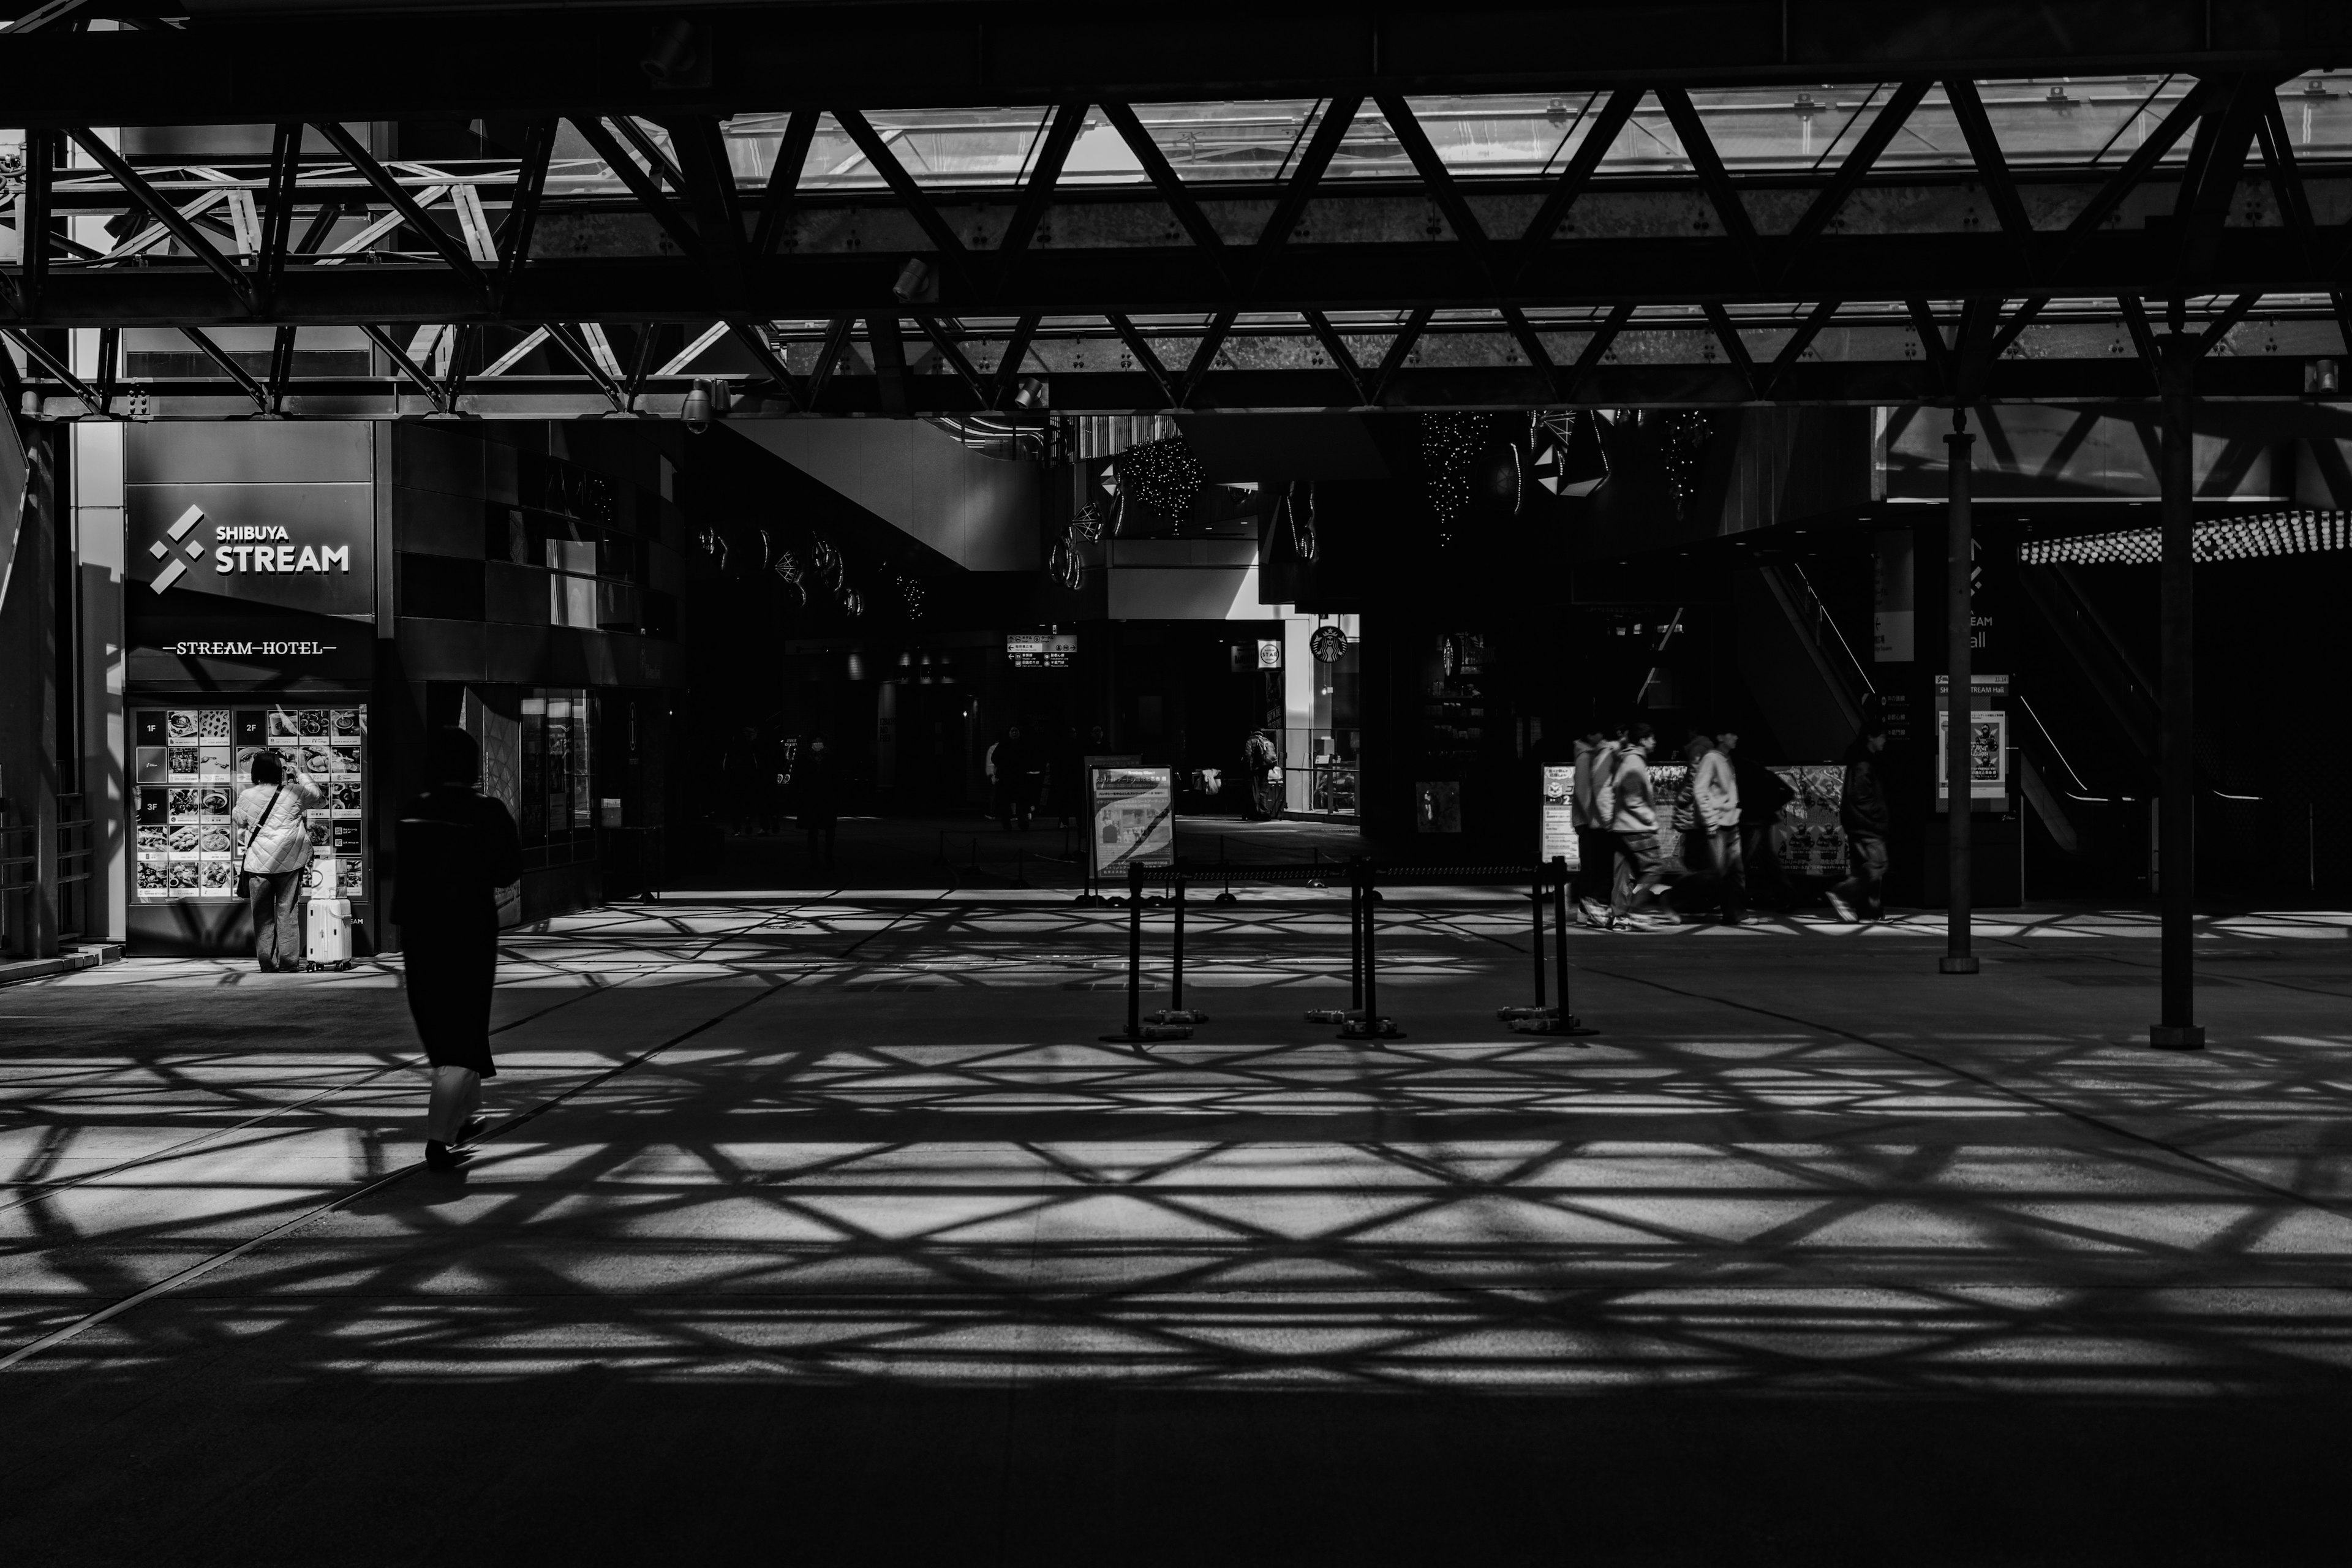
(915,282)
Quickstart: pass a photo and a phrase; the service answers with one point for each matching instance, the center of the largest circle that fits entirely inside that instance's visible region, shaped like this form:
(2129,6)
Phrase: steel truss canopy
(904,210)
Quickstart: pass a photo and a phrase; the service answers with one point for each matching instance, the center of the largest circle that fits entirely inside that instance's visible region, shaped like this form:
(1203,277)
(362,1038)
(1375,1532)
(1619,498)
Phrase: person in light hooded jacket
(1711,840)
(1634,896)
(273,821)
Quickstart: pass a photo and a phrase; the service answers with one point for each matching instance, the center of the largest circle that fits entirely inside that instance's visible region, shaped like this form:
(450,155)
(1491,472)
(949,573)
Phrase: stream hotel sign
(256,574)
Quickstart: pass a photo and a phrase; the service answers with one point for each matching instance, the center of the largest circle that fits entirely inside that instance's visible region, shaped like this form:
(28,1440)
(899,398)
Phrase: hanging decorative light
(1449,442)
(1163,475)
(1682,440)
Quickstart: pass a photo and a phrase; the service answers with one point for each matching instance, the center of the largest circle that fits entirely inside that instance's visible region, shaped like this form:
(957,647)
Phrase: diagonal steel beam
(1008,369)
(755,343)
(284,169)
(1205,355)
(708,182)
(408,367)
(1794,348)
(658,161)
(1299,189)
(523,212)
(2295,202)
(1707,163)
(783,182)
(1984,149)
(828,354)
(1400,352)
(2143,336)
(2190,110)
(2223,324)
(1433,172)
(918,202)
(888,346)
(1606,128)
(1145,358)
(164,213)
(450,248)
(1068,121)
(1596,349)
(1320,325)
(1734,349)
(1164,178)
(2020,319)
(1850,174)
(2205,202)
(955,357)
(1523,333)
(1931,339)
(230,368)
(568,336)
(57,367)
(642,186)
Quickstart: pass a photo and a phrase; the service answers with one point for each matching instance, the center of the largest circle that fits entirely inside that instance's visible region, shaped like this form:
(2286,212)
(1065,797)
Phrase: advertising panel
(1988,739)
(189,764)
(1130,816)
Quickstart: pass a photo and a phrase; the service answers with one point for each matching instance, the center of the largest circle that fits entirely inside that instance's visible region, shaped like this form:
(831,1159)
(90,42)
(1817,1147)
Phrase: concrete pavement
(826,1226)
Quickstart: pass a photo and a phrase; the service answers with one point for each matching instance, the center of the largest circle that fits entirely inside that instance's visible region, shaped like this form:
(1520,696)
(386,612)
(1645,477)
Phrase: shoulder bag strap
(246,853)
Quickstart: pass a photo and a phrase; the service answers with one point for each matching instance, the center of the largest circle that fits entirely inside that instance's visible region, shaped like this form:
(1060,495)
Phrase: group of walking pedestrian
(1724,816)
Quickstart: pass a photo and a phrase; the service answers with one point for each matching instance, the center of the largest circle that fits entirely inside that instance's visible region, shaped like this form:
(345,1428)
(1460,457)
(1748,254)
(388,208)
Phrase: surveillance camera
(914,282)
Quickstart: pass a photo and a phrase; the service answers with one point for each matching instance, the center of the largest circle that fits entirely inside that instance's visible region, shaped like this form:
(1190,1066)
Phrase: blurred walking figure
(1761,794)
(816,801)
(275,817)
(1862,894)
(1591,804)
(457,847)
(1634,902)
(1016,778)
(1711,844)
(1261,765)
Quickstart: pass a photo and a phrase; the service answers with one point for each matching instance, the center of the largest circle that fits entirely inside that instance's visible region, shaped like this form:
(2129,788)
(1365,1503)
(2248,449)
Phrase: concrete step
(89,955)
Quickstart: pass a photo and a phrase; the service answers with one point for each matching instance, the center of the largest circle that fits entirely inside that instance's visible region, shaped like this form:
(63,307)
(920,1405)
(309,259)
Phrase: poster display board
(1988,739)
(1810,838)
(1559,837)
(189,765)
(1130,816)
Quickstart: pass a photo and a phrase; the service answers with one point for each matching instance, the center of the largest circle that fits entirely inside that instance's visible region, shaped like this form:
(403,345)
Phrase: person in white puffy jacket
(273,827)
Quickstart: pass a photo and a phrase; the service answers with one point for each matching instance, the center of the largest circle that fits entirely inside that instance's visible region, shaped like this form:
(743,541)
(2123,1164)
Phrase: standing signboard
(1130,818)
(1559,816)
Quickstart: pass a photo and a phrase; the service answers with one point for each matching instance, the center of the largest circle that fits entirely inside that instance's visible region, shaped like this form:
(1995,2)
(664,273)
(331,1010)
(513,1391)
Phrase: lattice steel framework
(1682,204)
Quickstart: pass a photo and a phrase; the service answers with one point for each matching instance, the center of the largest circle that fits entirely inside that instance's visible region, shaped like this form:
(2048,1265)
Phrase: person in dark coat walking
(1865,816)
(816,797)
(456,848)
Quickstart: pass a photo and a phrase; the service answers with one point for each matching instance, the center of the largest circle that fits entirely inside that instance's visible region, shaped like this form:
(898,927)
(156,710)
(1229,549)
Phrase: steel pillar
(1959,698)
(2176,1028)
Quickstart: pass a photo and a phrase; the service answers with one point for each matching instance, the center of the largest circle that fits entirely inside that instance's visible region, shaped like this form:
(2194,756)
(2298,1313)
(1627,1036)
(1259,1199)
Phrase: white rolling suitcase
(327,932)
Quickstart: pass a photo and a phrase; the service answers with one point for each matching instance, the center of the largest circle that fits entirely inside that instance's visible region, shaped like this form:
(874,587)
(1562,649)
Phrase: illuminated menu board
(190,765)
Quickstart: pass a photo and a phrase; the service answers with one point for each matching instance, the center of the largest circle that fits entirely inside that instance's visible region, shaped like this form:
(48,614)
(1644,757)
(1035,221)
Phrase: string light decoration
(910,598)
(1448,444)
(1164,475)
(1682,439)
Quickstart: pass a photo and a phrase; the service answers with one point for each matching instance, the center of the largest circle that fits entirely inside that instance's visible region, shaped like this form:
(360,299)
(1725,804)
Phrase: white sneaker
(1845,911)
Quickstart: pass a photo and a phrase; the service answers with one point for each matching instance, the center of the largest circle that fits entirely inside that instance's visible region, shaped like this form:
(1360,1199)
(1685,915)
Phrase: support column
(2176,846)
(1959,698)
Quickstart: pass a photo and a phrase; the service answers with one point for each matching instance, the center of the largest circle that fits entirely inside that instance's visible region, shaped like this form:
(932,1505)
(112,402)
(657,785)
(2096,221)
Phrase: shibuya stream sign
(241,547)
(308,548)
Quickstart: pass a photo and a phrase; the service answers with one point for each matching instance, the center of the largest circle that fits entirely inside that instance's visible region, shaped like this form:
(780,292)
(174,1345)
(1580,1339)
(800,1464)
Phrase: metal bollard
(1535,944)
(1176,980)
(1559,937)
(1368,1024)
(1134,950)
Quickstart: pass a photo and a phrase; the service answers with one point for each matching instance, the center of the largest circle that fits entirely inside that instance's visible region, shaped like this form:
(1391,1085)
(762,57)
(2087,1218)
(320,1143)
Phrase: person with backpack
(1634,903)
(456,848)
(274,818)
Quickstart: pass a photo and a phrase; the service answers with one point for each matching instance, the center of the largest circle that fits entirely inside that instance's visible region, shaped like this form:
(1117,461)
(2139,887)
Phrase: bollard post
(1355,934)
(1560,938)
(1135,949)
(1176,985)
(1371,959)
(1536,946)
